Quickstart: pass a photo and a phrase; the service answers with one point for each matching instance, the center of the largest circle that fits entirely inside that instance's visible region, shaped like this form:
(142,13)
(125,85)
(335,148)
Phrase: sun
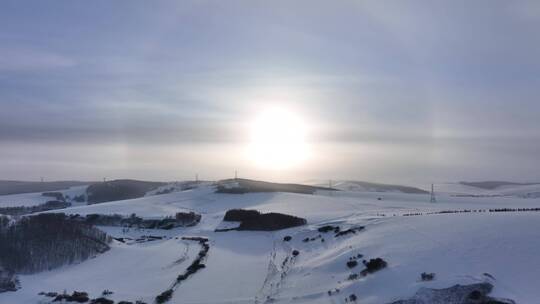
(278,140)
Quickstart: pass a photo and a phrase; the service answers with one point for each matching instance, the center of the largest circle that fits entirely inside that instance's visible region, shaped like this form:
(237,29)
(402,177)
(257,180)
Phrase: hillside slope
(405,230)
(18,187)
(361,186)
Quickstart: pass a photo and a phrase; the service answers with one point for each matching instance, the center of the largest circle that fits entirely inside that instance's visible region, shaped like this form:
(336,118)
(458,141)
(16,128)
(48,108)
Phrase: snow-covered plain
(258,267)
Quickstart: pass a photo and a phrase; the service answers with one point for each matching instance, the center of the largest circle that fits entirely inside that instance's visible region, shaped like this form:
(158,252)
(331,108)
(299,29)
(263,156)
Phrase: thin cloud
(20,59)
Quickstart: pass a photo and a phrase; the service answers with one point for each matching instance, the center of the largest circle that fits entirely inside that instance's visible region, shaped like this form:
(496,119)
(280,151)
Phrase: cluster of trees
(352,230)
(83,297)
(254,220)
(373,265)
(21,210)
(47,241)
(56,195)
(119,190)
(180,219)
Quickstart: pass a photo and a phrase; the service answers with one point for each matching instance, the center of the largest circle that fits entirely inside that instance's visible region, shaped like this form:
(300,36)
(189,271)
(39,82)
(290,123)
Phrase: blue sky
(399,91)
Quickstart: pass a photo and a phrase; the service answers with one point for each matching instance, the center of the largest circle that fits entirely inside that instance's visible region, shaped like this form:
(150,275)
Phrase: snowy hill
(37,198)
(18,187)
(241,185)
(310,263)
(360,186)
(86,192)
(492,185)
(488,189)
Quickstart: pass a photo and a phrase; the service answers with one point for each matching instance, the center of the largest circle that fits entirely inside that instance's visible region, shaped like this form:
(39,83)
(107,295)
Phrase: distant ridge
(351,185)
(491,185)
(17,187)
(240,185)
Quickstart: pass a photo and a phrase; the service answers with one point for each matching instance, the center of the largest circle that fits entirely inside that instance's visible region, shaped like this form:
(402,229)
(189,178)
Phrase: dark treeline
(475,211)
(47,241)
(180,219)
(119,190)
(194,267)
(22,210)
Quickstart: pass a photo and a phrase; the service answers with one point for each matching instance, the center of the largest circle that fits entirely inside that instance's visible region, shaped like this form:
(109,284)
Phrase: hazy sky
(397,91)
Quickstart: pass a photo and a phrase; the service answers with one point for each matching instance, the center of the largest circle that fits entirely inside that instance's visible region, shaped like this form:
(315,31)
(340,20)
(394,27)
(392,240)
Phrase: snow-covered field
(23,199)
(258,267)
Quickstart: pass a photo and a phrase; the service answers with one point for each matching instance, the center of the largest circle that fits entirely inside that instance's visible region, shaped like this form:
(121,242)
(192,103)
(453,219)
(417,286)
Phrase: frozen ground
(259,267)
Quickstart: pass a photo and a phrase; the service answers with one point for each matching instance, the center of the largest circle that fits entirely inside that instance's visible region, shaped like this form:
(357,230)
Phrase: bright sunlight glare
(278,140)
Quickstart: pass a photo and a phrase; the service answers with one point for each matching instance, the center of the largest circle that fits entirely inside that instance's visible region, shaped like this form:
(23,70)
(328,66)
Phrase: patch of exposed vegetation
(353,261)
(373,265)
(83,297)
(352,230)
(352,264)
(328,228)
(164,296)
(308,239)
(427,276)
(101,300)
(76,296)
(351,298)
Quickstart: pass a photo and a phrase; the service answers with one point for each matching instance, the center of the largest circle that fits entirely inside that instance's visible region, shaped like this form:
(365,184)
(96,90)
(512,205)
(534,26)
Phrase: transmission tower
(330,187)
(432,199)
